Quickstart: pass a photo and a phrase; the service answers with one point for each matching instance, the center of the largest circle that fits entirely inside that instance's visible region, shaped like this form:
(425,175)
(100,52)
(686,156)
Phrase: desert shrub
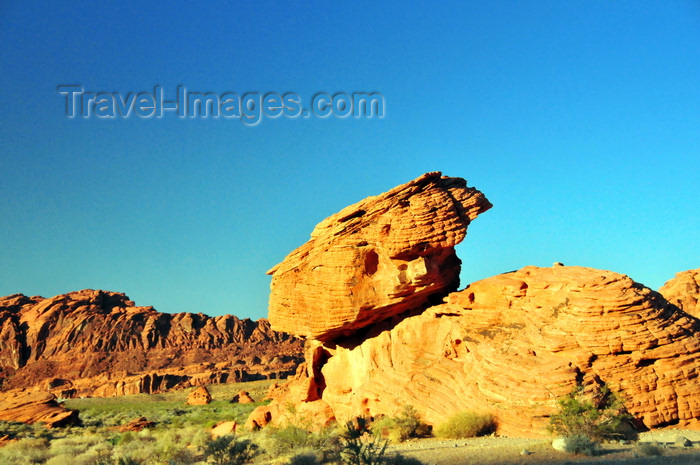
(227,450)
(599,416)
(80,450)
(406,424)
(147,447)
(466,424)
(581,444)
(649,449)
(16,430)
(295,440)
(306,458)
(25,452)
(360,449)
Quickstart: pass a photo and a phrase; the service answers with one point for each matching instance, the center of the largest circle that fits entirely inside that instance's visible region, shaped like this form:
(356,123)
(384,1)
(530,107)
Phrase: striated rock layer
(99,343)
(367,291)
(683,291)
(35,407)
(509,345)
(378,258)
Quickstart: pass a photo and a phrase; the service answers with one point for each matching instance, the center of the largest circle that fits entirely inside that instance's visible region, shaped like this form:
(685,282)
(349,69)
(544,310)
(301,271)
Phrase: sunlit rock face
(511,344)
(99,343)
(372,292)
(683,291)
(35,407)
(378,258)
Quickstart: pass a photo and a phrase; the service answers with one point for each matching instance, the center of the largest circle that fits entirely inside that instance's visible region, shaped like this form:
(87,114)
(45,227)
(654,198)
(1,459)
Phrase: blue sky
(579,120)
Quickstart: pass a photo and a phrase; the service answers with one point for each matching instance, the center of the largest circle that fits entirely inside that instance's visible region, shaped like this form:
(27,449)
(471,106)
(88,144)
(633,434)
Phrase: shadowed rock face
(508,345)
(375,259)
(99,343)
(683,291)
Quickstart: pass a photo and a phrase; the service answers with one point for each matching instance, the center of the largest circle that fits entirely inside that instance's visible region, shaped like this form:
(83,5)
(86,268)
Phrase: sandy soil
(506,451)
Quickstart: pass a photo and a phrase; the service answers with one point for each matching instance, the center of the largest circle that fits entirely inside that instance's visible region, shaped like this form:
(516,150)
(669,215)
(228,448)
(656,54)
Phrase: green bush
(358,450)
(305,458)
(406,424)
(599,416)
(466,425)
(25,452)
(295,440)
(227,450)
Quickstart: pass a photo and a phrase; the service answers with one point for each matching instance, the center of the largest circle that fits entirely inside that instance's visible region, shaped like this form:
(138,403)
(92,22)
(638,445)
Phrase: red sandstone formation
(199,396)
(683,291)
(35,407)
(99,343)
(224,428)
(136,425)
(243,398)
(375,259)
(507,345)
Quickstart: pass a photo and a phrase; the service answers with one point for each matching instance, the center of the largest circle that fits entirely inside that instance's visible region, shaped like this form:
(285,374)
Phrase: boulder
(243,398)
(258,418)
(35,407)
(199,396)
(378,258)
(683,291)
(224,428)
(135,425)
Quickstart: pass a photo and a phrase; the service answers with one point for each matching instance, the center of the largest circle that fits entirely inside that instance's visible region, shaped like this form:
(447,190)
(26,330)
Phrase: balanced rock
(683,291)
(35,407)
(378,258)
(199,396)
(510,345)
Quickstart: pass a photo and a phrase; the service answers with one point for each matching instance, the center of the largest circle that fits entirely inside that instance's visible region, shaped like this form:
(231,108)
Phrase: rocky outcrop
(375,259)
(100,343)
(683,291)
(224,428)
(508,345)
(199,396)
(136,425)
(35,407)
(242,398)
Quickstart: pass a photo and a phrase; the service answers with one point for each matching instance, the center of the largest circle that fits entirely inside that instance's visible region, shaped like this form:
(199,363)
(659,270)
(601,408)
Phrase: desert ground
(510,451)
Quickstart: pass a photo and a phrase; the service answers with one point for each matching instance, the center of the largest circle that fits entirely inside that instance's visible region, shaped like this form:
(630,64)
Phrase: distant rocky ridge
(389,330)
(98,343)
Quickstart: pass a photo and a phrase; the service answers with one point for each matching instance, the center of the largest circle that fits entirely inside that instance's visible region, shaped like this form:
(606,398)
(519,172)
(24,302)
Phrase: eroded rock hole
(371,262)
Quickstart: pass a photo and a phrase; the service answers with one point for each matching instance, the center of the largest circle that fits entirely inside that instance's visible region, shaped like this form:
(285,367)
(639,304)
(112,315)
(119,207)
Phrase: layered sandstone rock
(101,344)
(510,345)
(375,259)
(35,407)
(683,291)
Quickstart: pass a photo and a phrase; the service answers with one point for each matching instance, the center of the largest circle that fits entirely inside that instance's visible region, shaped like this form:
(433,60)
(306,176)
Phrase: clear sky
(580,121)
